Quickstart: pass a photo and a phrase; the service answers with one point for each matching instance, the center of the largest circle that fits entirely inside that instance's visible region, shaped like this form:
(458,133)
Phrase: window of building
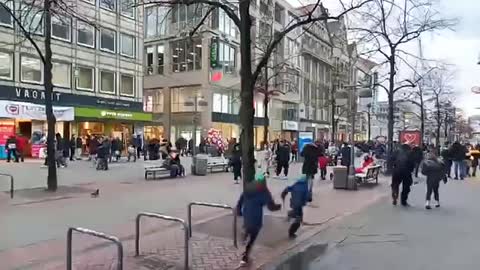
(182,99)
(186,55)
(259,109)
(32,19)
(160,58)
(61,27)
(107,81)
(108,4)
(61,74)
(31,69)
(221,103)
(187,14)
(226,57)
(107,40)
(127,85)
(127,8)
(149,59)
(5,17)
(279,10)
(85,34)
(153,101)
(127,45)
(85,78)
(225,24)
(6,65)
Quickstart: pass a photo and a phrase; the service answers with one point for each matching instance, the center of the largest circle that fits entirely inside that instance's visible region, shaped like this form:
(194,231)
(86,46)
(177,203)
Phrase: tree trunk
(391,105)
(246,94)
(47,78)
(265,109)
(334,126)
(439,122)
(422,117)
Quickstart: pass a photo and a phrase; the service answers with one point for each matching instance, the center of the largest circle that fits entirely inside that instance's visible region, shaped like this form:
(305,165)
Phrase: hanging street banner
(25,110)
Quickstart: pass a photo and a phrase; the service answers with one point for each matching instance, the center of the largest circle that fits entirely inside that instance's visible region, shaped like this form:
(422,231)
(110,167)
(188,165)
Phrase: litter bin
(340,177)
(199,164)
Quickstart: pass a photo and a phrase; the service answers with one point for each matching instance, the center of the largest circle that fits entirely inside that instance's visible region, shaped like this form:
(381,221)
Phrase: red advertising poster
(37,149)
(411,137)
(7,129)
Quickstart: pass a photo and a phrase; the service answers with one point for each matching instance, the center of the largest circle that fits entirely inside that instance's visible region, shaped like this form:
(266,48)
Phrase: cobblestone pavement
(34,225)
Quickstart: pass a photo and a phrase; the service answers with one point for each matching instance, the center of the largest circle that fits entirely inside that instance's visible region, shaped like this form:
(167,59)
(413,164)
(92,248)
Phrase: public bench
(370,175)
(220,164)
(156,170)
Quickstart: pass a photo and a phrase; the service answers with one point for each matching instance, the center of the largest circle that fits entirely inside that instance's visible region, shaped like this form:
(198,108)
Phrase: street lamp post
(369,128)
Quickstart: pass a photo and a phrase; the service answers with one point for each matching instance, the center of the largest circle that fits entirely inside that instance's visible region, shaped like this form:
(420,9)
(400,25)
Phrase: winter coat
(458,151)
(346,156)
(79,142)
(21,143)
(92,146)
(435,170)
(250,205)
(475,154)
(236,158)
(417,154)
(283,154)
(402,161)
(310,153)
(102,150)
(323,162)
(299,193)
(72,143)
(445,153)
(115,145)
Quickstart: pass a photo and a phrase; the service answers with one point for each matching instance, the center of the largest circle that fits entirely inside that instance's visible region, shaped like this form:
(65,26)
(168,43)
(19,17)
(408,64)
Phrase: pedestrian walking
(283,159)
(92,149)
(323,162)
(403,167)
(434,169)
(78,148)
(59,151)
(457,153)
(138,145)
(417,155)
(236,162)
(310,153)
(102,154)
(346,153)
(21,146)
(250,205)
(294,151)
(475,153)
(447,159)
(11,146)
(298,199)
(72,146)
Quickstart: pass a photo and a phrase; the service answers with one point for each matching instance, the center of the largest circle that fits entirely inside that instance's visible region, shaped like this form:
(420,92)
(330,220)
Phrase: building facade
(97,70)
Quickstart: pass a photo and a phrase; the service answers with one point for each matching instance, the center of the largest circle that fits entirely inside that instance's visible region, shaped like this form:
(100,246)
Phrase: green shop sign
(112,114)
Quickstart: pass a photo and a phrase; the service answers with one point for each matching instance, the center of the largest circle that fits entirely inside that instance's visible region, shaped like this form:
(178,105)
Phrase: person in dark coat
(447,159)
(78,147)
(457,153)
(250,205)
(115,148)
(236,162)
(139,145)
(403,167)
(190,147)
(60,147)
(310,153)
(299,198)
(92,148)
(72,145)
(346,155)
(283,158)
(434,169)
(102,155)
(417,156)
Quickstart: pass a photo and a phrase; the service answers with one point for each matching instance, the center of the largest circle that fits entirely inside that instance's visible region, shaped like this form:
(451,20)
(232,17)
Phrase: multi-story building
(97,70)
(316,76)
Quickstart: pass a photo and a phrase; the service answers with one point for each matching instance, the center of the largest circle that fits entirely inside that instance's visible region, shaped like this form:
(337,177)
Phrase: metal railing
(12,188)
(164,217)
(215,205)
(114,239)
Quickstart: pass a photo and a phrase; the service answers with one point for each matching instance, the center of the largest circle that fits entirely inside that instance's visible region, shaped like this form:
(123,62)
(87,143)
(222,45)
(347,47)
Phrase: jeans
(459,169)
(310,186)
(11,152)
(323,173)
(283,165)
(405,179)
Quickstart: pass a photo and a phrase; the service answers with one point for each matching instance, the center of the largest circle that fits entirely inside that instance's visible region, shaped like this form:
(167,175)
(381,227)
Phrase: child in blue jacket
(299,198)
(250,205)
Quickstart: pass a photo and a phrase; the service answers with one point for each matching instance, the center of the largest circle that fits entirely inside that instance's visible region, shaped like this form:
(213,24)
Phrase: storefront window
(31,69)
(6,65)
(154,132)
(107,82)
(85,78)
(127,86)
(61,74)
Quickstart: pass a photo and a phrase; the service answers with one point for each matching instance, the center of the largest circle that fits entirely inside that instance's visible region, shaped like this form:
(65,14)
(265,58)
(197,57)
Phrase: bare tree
(31,18)
(250,71)
(387,26)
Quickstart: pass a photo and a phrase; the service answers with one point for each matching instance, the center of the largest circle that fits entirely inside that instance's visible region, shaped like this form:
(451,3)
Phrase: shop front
(289,130)
(229,124)
(27,120)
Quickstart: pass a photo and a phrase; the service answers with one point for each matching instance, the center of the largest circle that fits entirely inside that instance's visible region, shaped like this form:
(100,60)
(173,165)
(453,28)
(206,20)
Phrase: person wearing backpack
(434,169)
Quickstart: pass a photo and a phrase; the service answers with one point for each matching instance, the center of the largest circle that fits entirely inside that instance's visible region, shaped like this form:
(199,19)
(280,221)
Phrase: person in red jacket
(367,162)
(21,145)
(323,161)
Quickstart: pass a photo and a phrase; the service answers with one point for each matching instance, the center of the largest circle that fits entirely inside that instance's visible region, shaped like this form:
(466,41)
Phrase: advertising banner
(410,137)
(304,138)
(25,110)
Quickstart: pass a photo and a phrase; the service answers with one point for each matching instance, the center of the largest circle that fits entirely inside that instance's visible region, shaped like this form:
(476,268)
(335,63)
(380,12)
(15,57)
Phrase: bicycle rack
(96,234)
(11,183)
(163,217)
(215,205)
